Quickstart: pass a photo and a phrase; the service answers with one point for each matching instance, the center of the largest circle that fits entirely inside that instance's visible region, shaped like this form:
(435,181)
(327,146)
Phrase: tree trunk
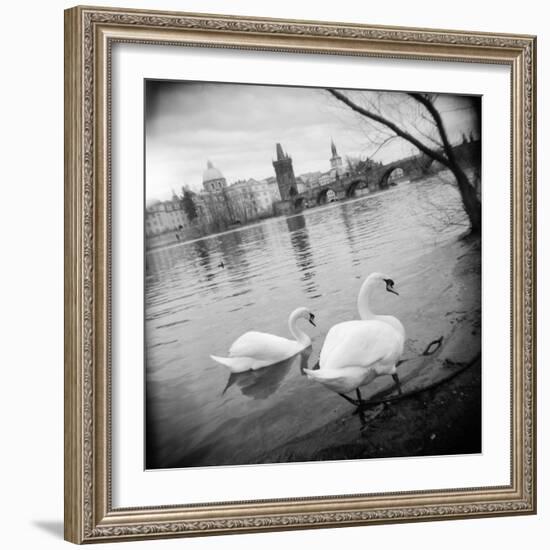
(471,203)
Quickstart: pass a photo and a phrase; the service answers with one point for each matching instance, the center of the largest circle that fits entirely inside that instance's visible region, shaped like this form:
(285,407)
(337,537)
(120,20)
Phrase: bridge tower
(285,174)
(336,167)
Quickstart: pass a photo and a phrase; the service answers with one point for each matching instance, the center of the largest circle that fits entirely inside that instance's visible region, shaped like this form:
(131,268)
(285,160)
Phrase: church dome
(211,173)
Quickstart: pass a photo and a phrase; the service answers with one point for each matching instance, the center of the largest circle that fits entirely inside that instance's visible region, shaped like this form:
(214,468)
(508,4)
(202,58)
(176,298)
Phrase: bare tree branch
(388,139)
(445,156)
(423,100)
(438,144)
(436,155)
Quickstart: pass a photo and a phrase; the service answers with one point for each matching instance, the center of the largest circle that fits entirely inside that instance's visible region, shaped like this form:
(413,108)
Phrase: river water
(197,415)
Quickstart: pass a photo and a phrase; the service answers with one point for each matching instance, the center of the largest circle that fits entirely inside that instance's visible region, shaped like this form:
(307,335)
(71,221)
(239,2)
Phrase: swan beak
(389,286)
(311,317)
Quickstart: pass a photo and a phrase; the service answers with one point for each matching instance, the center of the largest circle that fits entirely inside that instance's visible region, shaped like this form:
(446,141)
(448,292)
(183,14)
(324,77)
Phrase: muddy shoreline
(439,421)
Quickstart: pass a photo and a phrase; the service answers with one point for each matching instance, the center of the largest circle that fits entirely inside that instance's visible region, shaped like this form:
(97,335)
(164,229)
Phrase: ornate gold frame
(89,35)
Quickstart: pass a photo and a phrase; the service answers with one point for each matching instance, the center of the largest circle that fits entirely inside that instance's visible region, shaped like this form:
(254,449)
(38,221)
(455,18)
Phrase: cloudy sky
(237,126)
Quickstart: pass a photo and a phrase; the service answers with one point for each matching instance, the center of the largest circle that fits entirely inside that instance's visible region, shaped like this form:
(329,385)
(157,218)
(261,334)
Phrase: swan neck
(363,300)
(299,335)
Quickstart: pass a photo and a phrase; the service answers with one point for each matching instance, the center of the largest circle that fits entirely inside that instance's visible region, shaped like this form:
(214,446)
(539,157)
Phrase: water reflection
(262,383)
(347,219)
(299,239)
(202,251)
(234,251)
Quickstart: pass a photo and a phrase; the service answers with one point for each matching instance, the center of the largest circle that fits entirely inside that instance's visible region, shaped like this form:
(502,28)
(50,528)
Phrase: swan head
(303,313)
(388,281)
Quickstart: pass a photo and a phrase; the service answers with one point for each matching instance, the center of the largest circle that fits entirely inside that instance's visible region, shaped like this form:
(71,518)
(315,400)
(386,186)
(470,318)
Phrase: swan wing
(360,343)
(263,346)
(332,340)
(240,364)
(342,380)
(393,322)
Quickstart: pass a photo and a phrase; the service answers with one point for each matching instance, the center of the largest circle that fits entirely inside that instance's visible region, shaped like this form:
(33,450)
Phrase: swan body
(255,350)
(356,352)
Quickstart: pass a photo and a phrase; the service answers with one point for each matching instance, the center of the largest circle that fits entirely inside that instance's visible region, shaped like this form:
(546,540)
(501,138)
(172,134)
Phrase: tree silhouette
(188,204)
(436,146)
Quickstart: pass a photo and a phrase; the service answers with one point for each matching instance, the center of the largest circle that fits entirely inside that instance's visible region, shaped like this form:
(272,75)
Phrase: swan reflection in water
(262,383)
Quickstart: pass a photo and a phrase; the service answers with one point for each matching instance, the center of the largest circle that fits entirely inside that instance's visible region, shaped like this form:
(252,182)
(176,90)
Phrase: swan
(255,350)
(356,352)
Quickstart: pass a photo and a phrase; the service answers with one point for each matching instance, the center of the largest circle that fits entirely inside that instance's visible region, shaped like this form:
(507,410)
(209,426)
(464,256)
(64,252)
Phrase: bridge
(378,177)
(353,184)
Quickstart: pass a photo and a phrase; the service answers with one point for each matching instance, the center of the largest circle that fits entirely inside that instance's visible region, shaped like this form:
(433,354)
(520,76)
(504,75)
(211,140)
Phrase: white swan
(255,350)
(356,352)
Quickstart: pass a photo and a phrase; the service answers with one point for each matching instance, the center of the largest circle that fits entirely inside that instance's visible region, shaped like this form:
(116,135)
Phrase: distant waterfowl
(255,350)
(356,352)
(221,264)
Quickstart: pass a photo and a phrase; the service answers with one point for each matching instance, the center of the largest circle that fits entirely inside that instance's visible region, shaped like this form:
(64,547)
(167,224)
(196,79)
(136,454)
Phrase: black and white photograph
(312,274)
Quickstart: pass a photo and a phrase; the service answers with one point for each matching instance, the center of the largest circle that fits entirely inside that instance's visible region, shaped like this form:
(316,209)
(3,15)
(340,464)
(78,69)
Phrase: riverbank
(170,240)
(441,421)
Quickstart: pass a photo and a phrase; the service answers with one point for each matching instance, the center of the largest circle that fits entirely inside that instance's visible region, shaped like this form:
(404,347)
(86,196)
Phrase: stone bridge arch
(354,186)
(299,203)
(393,172)
(326,195)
